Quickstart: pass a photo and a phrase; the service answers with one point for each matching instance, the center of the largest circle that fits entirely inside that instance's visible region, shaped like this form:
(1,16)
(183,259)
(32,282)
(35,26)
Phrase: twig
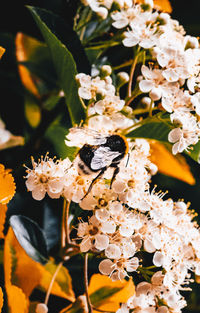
(90,308)
(132,73)
(52,282)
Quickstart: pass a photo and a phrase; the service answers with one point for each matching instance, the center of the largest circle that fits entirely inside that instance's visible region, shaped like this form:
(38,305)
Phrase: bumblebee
(99,153)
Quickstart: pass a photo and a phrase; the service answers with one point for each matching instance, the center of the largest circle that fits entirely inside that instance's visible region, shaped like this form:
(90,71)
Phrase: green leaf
(153,128)
(63,277)
(56,134)
(64,64)
(30,237)
(194,153)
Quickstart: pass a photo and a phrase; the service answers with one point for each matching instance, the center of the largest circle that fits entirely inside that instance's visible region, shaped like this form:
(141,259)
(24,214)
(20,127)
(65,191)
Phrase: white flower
(46,176)
(145,36)
(7,139)
(89,87)
(155,83)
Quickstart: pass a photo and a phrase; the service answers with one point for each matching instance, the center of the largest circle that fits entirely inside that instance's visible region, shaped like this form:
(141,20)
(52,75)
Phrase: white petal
(113,252)
(102,215)
(132,264)
(84,93)
(101,242)
(119,186)
(130,41)
(38,193)
(145,85)
(158,259)
(170,75)
(126,230)
(106,267)
(108,227)
(85,244)
(175,135)
(155,93)
(148,246)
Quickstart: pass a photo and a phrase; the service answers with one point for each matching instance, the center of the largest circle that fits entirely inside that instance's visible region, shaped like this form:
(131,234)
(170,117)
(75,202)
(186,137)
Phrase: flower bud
(106,70)
(147,5)
(122,78)
(102,12)
(155,94)
(41,308)
(146,101)
(153,168)
(191,42)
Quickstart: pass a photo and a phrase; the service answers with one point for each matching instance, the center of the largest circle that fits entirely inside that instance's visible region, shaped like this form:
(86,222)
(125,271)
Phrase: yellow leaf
(25,267)
(2,50)
(168,164)
(7,185)
(32,112)
(1,299)
(120,291)
(161,5)
(17,301)
(23,44)
(3,210)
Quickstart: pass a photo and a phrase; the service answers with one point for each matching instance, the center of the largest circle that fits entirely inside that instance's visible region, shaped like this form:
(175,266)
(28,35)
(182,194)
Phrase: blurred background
(15,18)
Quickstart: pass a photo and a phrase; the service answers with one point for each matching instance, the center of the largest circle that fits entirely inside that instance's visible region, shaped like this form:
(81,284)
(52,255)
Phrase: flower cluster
(172,77)
(131,224)
(128,219)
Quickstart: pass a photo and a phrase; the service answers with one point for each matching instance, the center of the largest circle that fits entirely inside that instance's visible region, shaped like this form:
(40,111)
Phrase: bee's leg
(116,171)
(94,180)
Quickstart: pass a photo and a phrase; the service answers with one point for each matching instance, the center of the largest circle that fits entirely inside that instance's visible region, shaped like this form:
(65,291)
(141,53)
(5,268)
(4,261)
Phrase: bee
(99,153)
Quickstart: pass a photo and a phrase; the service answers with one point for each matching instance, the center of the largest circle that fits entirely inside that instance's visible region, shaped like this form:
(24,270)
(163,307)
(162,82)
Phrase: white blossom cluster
(128,219)
(172,78)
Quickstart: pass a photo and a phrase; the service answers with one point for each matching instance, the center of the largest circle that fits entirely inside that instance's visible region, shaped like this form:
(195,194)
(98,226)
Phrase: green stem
(132,70)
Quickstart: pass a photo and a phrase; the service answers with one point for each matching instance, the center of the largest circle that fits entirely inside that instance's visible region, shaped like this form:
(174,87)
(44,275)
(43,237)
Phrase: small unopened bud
(106,70)
(139,78)
(182,206)
(127,110)
(41,308)
(102,12)
(147,5)
(146,101)
(155,94)
(122,78)
(191,42)
(164,18)
(153,168)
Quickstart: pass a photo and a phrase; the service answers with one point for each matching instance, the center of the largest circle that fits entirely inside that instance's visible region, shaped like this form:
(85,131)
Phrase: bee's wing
(103,157)
(87,135)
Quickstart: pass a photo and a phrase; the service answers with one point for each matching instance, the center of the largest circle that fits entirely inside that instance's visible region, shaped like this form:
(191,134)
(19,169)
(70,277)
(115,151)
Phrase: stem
(52,282)
(90,308)
(150,109)
(63,227)
(132,73)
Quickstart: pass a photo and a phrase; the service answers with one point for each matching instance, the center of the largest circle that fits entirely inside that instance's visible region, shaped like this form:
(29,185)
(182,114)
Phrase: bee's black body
(115,146)
(114,142)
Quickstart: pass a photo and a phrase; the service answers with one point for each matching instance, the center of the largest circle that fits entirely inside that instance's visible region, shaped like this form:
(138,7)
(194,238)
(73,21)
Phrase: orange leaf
(1,299)
(161,5)
(3,210)
(7,185)
(23,45)
(2,50)
(168,164)
(17,301)
(120,291)
(25,267)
